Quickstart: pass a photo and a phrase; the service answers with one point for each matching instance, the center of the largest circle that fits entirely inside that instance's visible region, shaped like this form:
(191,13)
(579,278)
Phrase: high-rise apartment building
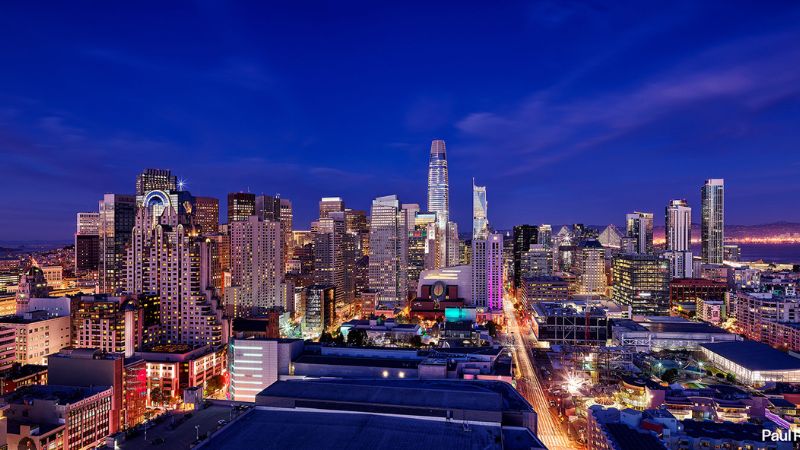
(487,273)
(591,263)
(117,218)
(168,258)
(641,281)
(87,242)
(524,237)
(106,323)
(639,226)
(388,250)
(480,221)
(678,225)
(712,225)
(206,214)
(241,205)
(256,266)
(156,180)
(545,235)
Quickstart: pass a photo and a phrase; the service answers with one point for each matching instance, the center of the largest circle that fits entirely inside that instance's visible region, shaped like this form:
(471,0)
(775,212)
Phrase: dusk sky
(566,111)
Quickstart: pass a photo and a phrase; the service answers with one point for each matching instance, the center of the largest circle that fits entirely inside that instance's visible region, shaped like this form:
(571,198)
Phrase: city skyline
(83,114)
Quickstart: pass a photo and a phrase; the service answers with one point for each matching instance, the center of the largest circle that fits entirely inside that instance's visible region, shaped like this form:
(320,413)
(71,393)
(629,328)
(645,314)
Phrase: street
(549,429)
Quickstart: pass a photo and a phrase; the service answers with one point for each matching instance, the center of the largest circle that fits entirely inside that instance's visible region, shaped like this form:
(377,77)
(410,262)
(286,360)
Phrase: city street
(550,430)
(184,435)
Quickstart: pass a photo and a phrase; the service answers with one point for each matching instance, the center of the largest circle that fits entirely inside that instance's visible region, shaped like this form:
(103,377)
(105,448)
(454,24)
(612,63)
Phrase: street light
(197,431)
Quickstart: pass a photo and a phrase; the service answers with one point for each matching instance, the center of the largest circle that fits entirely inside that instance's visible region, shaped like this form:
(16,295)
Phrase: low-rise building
(58,417)
(543,289)
(37,335)
(667,333)
(753,363)
(20,376)
(574,323)
(257,363)
(173,368)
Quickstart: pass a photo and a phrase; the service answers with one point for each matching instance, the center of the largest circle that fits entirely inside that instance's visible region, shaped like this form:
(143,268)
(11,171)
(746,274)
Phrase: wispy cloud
(548,127)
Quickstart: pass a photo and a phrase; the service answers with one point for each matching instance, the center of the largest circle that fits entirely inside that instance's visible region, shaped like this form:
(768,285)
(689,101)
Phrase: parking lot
(181,429)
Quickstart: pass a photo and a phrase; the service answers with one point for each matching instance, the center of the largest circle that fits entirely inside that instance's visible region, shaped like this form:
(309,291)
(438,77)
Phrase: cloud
(549,126)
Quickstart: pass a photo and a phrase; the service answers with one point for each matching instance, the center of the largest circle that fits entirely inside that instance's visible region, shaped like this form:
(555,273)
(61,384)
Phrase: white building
(487,273)
(254,364)
(38,335)
(678,225)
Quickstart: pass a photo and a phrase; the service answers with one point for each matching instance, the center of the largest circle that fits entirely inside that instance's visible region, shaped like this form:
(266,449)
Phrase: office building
(611,237)
(106,323)
(712,225)
(639,226)
(545,235)
(681,263)
(256,266)
(388,247)
(438,184)
(334,257)
(642,282)
(524,237)
(241,205)
(320,309)
(537,262)
(206,214)
(87,242)
(543,289)
(117,218)
(156,180)
(172,368)
(254,364)
(330,204)
(685,292)
(8,348)
(487,273)
(87,368)
(480,221)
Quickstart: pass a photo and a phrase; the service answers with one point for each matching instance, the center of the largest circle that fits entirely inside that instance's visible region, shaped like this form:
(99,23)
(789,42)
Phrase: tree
(214,384)
(491,327)
(416,341)
(357,338)
(326,338)
(670,375)
(156,396)
(731,377)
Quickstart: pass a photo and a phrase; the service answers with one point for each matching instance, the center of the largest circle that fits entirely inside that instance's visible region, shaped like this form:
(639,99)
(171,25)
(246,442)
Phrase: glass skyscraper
(712,226)
(480,222)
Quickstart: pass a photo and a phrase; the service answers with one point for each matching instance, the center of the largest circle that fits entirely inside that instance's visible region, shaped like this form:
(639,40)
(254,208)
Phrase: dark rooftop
(754,355)
(395,363)
(461,394)
(682,327)
(63,395)
(332,430)
(724,430)
(630,439)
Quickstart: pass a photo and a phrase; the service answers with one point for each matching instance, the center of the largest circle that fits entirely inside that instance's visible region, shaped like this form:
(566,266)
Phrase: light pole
(197,431)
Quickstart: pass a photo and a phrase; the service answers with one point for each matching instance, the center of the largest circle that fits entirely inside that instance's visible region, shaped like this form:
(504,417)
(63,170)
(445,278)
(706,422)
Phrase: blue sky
(567,111)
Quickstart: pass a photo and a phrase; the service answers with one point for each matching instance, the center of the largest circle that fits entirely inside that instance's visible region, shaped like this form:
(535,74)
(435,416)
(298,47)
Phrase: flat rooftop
(438,394)
(334,430)
(389,363)
(62,395)
(754,355)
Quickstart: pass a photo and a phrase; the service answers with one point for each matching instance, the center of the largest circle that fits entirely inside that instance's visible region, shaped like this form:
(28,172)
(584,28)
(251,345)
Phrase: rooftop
(754,355)
(629,439)
(395,363)
(317,430)
(724,430)
(460,394)
(62,395)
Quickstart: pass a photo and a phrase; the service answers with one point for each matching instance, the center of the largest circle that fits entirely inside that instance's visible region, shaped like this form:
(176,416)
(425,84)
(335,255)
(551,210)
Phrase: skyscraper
(524,236)
(639,226)
(713,220)
(678,225)
(388,250)
(487,272)
(166,257)
(206,214)
(438,185)
(545,236)
(241,205)
(156,180)
(87,241)
(480,221)
(256,266)
(329,255)
(678,234)
(330,204)
(591,267)
(117,218)
(641,281)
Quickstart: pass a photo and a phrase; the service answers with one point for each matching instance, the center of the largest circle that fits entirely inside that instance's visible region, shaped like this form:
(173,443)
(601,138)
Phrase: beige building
(38,335)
